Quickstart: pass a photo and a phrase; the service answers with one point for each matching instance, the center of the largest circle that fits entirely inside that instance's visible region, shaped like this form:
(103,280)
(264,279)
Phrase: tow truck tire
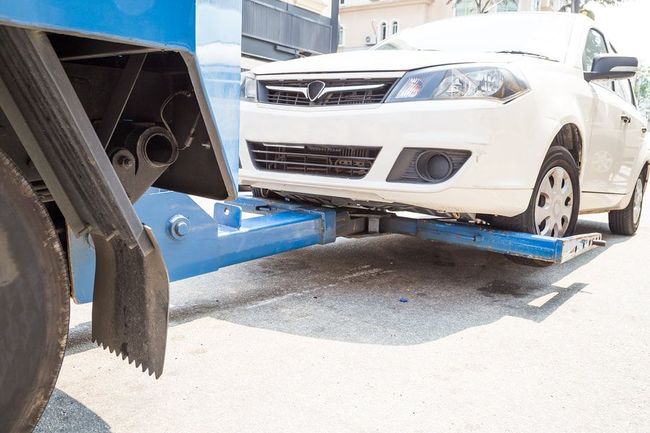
(626,221)
(34,303)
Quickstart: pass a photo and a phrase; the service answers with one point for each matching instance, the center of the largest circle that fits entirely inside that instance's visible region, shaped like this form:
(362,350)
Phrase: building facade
(363,23)
(283,30)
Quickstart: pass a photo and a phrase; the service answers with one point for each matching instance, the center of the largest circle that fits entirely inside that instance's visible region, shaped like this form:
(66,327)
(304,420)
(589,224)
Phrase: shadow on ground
(64,414)
(354,291)
(391,290)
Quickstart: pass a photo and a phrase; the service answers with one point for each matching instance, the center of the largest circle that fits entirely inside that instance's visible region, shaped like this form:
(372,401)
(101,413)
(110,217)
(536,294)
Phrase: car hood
(378,60)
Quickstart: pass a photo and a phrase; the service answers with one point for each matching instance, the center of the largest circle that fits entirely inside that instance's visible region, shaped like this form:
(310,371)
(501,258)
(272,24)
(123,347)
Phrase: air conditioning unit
(371,40)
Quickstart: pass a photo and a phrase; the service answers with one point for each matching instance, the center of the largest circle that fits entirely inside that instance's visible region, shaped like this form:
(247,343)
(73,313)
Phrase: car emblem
(315,90)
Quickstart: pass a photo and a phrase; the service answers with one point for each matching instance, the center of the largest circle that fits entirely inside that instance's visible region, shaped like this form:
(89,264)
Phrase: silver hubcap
(638,200)
(554,203)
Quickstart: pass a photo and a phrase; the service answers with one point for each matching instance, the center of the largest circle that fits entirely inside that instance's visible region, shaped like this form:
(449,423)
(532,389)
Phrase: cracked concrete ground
(318,340)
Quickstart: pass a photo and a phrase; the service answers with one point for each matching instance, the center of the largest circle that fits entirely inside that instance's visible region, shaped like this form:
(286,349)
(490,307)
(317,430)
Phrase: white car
(523,120)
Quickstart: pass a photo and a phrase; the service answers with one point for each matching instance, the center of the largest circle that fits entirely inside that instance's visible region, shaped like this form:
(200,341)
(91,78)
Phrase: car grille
(337,161)
(350,96)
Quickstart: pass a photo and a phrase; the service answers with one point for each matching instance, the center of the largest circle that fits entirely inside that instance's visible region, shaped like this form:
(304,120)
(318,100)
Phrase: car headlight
(248,90)
(493,82)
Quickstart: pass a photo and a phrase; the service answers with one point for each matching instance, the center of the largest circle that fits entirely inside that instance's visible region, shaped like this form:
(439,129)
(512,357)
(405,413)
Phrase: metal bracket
(373,224)
(574,246)
(228,214)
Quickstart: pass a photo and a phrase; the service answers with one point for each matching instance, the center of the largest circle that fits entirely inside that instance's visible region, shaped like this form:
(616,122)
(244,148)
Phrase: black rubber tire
(525,222)
(266,193)
(621,222)
(34,303)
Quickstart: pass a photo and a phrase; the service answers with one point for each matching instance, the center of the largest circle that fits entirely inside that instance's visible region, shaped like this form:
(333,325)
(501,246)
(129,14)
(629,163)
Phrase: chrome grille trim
(307,77)
(304,91)
(337,91)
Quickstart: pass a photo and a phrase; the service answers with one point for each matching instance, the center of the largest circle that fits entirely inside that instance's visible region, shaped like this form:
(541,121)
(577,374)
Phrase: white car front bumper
(507,144)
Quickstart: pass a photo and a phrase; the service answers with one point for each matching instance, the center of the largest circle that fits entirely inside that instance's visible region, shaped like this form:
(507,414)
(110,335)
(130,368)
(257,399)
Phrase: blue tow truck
(113,114)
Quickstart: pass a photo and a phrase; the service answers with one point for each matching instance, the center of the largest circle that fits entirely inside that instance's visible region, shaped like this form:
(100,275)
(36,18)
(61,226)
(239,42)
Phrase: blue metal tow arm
(194,242)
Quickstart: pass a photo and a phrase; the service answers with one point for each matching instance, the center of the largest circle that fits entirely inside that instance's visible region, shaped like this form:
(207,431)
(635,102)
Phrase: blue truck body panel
(218,54)
(209,30)
(160,23)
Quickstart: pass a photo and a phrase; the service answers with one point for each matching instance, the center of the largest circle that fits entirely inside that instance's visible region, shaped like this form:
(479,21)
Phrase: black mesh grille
(337,161)
(346,97)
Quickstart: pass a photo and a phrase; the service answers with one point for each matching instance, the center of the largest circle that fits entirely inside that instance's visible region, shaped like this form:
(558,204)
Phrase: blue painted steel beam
(268,235)
(208,245)
(525,245)
(194,243)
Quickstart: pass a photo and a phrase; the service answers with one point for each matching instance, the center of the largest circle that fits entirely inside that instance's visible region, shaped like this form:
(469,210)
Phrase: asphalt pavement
(384,334)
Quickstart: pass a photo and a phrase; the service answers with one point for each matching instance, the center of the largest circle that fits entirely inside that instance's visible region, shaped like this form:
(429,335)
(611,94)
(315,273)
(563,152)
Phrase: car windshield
(539,34)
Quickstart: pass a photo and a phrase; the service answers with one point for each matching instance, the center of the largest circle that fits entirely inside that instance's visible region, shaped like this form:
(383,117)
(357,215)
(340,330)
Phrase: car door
(608,165)
(634,130)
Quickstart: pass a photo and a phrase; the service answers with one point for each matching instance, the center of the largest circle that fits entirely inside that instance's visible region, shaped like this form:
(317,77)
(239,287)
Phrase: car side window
(595,45)
(623,88)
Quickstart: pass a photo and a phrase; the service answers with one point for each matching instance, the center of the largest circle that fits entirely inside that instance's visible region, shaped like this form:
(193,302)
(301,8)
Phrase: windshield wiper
(526,53)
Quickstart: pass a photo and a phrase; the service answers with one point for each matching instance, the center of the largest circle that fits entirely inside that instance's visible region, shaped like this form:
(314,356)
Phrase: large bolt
(125,162)
(181,228)
(178,226)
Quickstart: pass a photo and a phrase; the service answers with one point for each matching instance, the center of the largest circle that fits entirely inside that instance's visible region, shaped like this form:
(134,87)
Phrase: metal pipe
(157,147)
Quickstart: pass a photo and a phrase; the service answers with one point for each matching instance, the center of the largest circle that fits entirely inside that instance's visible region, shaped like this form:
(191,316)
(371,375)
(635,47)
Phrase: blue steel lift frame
(193,242)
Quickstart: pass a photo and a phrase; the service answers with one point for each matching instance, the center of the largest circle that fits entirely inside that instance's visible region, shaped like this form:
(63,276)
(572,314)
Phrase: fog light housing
(427,165)
(433,166)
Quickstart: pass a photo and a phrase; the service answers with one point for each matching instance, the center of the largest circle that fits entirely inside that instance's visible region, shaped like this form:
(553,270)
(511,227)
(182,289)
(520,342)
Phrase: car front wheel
(555,202)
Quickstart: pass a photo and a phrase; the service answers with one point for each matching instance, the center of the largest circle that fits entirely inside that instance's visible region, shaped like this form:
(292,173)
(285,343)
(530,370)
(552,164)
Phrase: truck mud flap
(132,288)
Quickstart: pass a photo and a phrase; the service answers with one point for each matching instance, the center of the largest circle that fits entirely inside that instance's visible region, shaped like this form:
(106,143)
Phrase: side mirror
(612,67)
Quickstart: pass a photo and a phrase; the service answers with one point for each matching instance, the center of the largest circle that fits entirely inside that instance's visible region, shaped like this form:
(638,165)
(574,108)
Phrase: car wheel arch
(570,137)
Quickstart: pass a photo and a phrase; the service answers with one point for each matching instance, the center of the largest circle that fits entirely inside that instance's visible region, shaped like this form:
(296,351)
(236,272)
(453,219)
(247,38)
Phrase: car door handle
(625,118)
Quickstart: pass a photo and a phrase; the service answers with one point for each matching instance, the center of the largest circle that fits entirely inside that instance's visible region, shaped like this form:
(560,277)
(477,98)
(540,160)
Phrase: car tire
(266,193)
(553,200)
(626,221)
(34,302)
